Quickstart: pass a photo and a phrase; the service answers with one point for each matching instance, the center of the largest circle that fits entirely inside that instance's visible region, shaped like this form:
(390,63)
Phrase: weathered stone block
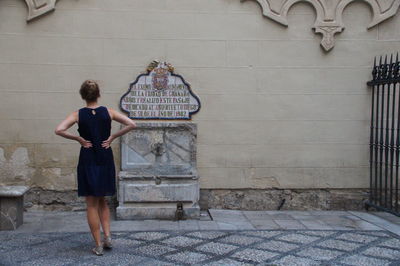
(11,206)
(160,193)
(160,149)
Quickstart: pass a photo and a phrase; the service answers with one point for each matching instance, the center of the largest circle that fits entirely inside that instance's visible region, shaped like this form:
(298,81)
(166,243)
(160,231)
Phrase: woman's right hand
(85,143)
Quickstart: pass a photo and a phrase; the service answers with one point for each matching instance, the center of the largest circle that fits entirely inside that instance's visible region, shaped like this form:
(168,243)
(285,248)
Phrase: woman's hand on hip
(107,143)
(85,143)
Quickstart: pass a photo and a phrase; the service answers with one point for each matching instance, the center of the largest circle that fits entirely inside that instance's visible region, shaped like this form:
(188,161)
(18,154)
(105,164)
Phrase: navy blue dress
(96,169)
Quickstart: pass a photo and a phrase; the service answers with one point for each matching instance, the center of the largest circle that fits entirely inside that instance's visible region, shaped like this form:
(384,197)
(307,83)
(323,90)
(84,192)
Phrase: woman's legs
(92,212)
(104,214)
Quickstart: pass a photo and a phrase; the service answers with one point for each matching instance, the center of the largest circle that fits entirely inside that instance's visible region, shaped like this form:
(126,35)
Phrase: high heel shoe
(107,242)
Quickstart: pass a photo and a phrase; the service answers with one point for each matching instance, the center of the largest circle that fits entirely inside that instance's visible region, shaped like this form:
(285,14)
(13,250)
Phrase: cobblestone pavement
(205,247)
(219,237)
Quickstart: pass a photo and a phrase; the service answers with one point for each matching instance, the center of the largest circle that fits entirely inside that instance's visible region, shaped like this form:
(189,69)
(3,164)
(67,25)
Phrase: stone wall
(284,199)
(237,199)
(277,110)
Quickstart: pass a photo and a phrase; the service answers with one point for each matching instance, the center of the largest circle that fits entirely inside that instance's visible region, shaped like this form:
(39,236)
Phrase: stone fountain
(158,177)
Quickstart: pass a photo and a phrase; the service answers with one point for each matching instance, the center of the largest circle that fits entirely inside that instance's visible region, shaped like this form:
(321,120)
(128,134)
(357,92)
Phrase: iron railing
(384,135)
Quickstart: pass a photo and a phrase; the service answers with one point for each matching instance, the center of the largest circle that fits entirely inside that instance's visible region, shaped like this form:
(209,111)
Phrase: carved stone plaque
(160,149)
(160,94)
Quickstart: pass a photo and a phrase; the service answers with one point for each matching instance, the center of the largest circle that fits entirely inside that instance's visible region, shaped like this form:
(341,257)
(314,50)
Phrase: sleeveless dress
(96,169)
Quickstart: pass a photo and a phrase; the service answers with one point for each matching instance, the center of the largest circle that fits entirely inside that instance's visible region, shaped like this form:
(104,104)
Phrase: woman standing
(96,169)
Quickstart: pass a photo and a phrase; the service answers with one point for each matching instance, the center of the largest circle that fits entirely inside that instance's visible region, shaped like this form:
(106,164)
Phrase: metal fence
(384,135)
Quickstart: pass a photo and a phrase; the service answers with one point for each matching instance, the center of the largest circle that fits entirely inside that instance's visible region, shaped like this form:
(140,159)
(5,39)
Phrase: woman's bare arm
(117,116)
(62,128)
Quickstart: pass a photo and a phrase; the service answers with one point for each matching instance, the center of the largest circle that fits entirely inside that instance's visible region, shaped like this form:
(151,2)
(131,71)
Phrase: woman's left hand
(107,143)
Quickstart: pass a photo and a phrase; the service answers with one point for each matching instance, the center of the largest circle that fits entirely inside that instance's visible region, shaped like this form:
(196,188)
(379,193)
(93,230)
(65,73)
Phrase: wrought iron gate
(384,135)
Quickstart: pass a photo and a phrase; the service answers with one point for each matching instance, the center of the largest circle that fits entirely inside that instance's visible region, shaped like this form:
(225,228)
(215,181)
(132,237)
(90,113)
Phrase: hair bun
(89,90)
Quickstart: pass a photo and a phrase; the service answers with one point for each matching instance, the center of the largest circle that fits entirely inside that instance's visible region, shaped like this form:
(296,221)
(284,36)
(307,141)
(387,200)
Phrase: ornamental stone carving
(329,14)
(37,8)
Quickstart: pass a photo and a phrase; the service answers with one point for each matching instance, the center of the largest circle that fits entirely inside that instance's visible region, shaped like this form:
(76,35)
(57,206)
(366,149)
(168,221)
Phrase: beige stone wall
(277,111)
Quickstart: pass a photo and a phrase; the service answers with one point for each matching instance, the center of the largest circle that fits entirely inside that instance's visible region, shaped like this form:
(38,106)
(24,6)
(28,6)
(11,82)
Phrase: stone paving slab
(46,221)
(388,222)
(205,247)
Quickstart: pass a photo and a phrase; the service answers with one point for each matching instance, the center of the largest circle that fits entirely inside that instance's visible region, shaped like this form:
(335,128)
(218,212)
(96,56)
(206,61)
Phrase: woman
(96,169)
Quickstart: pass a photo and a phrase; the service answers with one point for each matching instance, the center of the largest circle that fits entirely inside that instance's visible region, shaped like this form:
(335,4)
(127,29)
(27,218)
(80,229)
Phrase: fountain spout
(158,150)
